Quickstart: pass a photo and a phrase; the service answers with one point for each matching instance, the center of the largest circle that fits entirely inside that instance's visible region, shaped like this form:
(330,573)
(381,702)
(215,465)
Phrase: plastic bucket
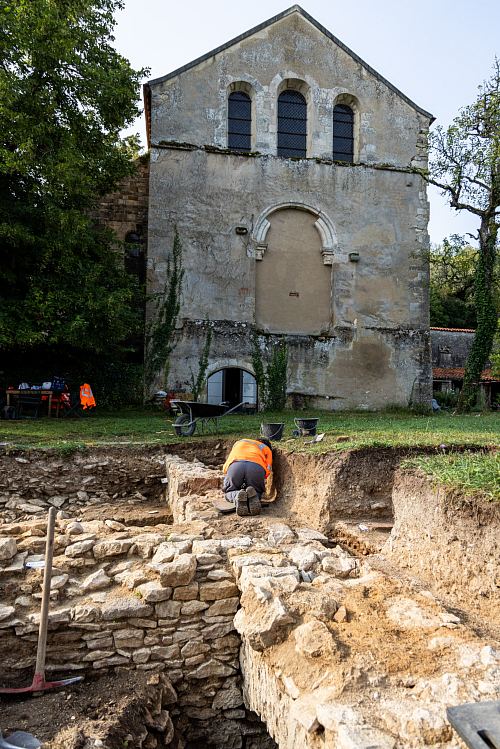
(272,431)
(306,427)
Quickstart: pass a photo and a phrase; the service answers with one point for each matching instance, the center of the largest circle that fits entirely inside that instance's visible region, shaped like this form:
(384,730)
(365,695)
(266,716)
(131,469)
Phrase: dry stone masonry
(240,620)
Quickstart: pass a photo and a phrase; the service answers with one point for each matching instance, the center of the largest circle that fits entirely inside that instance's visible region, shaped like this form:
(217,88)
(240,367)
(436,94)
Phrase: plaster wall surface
(291,52)
(257,230)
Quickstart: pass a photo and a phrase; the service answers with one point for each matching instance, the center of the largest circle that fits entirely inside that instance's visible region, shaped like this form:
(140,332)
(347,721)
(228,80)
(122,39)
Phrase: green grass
(470,473)
(151,427)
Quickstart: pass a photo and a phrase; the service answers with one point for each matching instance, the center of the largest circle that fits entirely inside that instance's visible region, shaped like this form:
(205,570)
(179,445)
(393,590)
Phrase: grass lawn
(342,431)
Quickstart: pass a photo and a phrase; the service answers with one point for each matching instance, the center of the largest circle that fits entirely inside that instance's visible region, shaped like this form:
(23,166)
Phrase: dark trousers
(240,475)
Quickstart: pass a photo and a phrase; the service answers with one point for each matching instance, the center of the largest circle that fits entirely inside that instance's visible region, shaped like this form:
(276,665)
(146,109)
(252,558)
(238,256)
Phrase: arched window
(239,121)
(343,133)
(292,124)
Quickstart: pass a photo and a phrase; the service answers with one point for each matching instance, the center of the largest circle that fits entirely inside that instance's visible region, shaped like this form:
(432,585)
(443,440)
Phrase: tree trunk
(486,313)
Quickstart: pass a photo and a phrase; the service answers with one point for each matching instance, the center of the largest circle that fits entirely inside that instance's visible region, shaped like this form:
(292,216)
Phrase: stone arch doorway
(232,385)
(293,284)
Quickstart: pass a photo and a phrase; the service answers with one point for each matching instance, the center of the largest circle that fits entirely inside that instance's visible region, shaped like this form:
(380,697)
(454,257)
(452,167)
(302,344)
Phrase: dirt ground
(88,706)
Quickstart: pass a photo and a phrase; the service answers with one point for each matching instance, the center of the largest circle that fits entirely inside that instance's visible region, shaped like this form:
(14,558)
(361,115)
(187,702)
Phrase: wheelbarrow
(39,684)
(192,414)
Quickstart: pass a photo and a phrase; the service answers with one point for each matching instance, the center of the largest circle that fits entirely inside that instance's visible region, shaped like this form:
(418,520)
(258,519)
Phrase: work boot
(241,503)
(253,501)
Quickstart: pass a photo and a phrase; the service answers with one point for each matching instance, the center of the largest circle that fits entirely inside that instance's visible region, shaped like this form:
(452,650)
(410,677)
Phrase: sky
(437,52)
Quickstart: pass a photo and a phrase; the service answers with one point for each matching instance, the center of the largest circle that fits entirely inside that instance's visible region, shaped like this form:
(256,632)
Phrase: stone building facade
(306,224)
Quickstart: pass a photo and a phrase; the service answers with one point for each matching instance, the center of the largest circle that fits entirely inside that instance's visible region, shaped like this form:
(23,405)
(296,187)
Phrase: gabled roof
(255,30)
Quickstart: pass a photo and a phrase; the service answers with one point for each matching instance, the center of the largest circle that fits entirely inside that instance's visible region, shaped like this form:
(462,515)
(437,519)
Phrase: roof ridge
(274,19)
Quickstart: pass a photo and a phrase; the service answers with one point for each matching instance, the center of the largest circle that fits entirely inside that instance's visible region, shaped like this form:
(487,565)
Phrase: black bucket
(272,431)
(306,427)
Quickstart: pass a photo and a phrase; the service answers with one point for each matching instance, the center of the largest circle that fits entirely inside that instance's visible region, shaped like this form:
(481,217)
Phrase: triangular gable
(255,30)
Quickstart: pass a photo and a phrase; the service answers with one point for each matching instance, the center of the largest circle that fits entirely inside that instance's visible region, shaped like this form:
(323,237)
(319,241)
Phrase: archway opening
(232,385)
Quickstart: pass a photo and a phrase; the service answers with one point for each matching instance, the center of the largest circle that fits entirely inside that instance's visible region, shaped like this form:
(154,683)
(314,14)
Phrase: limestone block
(131,579)
(211,668)
(313,639)
(193,648)
(95,581)
(141,655)
(207,546)
(350,729)
(97,655)
(180,571)
(219,574)
(85,613)
(8,548)
(161,653)
(6,612)
(124,608)
(186,592)
(408,614)
(168,609)
(280,533)
(79,548)
(111,548)
(224,606)
(309,534)
(226,699)
(283,578)
(169,549)
(340,567)
(74,529)
(193,607)
(240,542)
(303,556)
(214,631)
(218,590)
(128,638)
(58,582)
(154,592)
(264,625)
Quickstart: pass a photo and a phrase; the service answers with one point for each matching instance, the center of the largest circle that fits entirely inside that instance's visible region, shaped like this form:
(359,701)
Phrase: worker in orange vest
(248,465)
(87,399)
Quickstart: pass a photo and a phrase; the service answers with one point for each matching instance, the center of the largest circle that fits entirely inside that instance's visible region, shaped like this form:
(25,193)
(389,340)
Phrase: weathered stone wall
(192,106)
(373,316)
(450,348)
(127,598)
(126,209)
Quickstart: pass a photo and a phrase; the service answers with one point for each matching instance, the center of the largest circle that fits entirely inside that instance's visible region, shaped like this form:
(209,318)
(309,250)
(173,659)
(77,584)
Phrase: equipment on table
(39,684)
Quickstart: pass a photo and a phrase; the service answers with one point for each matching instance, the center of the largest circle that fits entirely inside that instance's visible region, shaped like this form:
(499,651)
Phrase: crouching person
(248,465)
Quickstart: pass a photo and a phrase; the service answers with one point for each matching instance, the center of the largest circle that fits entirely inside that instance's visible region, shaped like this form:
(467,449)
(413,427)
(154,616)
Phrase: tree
(465,165)
(161,329)
(452,266)
(65,94)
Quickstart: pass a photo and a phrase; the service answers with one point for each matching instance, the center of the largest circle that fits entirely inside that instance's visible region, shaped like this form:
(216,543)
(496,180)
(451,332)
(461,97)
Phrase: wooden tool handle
(47,578)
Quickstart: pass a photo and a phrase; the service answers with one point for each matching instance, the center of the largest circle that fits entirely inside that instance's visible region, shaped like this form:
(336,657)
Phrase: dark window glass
(343,133)
(292,124)
(135,261)
(239,121)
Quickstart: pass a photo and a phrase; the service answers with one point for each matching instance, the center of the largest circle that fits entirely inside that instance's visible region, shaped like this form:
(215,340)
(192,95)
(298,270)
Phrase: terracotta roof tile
(456,330)
(457,373)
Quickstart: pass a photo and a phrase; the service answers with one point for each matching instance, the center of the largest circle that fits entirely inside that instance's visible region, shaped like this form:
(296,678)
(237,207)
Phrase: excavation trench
(194,630)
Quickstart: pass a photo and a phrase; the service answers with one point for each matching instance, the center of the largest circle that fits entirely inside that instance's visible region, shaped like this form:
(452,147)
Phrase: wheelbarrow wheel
(183,426)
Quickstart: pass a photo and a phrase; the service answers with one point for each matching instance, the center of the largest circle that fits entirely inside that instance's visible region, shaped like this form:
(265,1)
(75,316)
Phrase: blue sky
(436,51)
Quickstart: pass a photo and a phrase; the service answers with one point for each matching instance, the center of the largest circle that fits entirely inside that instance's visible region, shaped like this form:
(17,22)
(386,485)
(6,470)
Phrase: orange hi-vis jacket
(252,450)
(87,399)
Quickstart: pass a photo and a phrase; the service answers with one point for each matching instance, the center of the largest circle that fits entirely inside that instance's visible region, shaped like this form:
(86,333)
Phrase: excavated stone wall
(246,617)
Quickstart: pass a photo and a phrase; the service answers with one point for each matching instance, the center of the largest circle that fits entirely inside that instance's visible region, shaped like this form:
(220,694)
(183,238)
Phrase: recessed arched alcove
(293,281)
